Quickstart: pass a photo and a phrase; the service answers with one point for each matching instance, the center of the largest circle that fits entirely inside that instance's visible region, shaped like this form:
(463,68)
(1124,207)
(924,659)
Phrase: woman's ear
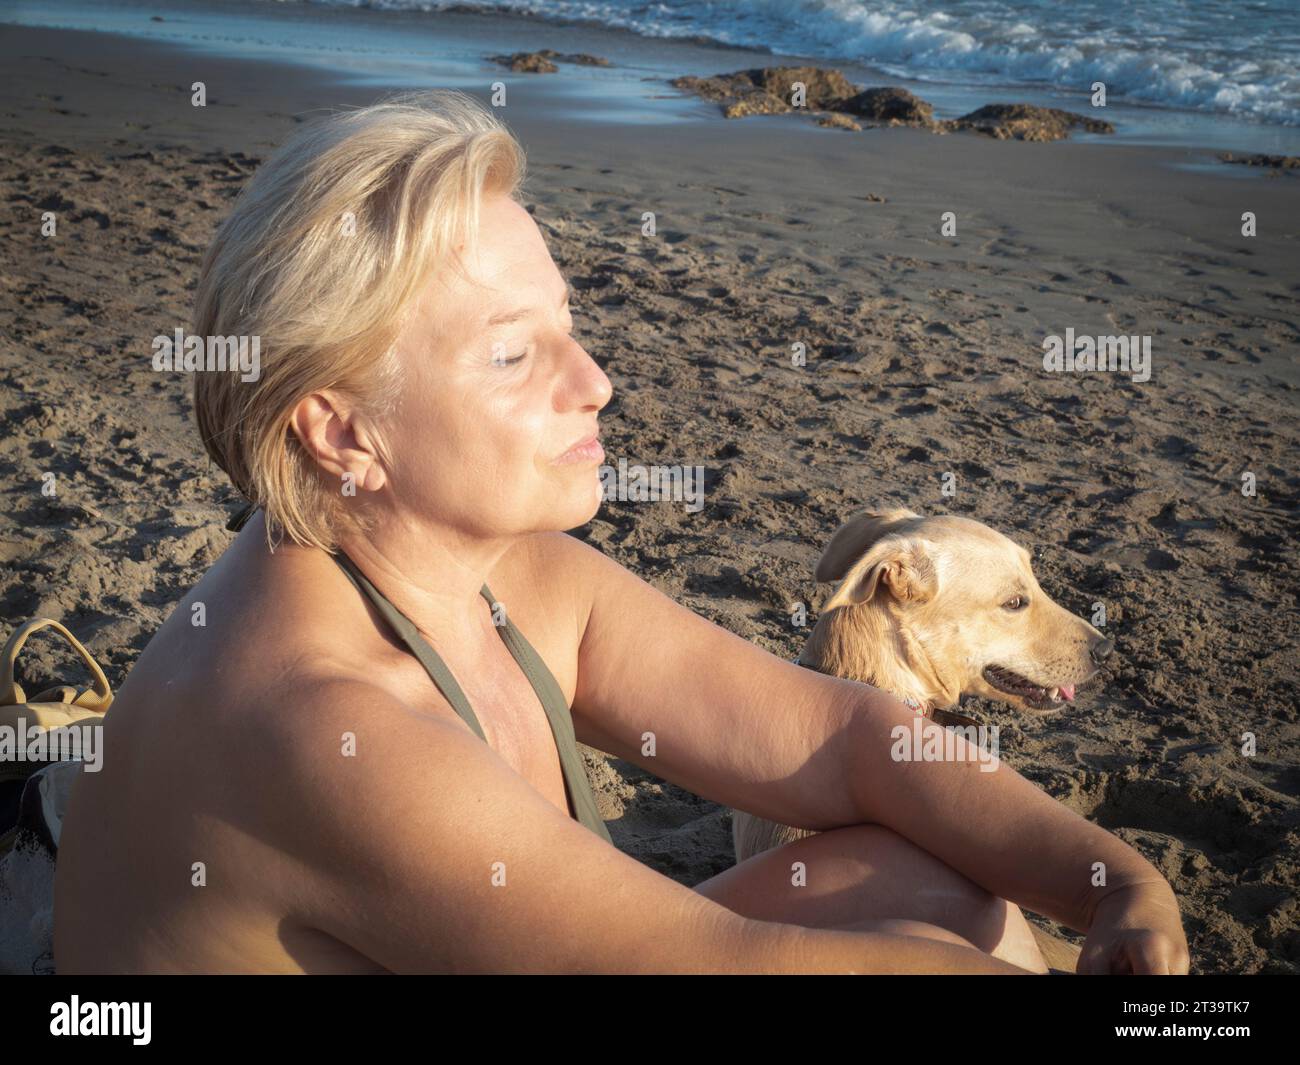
(337,437)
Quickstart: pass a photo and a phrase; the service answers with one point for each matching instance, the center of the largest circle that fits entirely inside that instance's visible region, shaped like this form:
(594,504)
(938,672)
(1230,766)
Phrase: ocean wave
(1237,58)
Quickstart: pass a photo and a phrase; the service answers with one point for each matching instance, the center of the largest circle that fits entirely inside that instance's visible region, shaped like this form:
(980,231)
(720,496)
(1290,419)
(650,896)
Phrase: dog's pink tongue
(1067,692)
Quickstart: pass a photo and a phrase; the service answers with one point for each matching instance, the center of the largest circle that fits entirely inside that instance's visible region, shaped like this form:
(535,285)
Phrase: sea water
(1221,74)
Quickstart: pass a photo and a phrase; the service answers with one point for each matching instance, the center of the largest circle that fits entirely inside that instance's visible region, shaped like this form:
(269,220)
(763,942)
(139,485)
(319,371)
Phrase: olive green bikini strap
(581,800)
(407,633)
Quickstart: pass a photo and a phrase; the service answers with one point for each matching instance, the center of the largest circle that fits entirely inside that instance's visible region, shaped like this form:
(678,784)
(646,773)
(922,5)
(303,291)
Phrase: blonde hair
(321,259)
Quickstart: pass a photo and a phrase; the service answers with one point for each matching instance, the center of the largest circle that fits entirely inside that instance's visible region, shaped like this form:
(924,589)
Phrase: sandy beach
(923,387)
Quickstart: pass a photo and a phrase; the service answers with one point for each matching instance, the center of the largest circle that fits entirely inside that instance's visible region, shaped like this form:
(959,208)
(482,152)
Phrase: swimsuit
(582,803)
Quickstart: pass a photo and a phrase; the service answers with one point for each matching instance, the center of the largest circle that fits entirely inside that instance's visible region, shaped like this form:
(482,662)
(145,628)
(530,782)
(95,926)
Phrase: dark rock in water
(581,58)
(896,107)
(768,90)
(540,62)
(837,120)
(1277,162)
(755,103)
(823,88)
(718,88)
(1025,122)
(526,63)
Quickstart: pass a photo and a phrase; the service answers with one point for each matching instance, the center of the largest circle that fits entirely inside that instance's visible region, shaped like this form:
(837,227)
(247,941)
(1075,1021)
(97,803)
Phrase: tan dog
(931,609)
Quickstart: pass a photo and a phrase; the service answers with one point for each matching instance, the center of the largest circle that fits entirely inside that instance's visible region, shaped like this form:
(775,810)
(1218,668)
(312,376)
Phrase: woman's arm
(425,852)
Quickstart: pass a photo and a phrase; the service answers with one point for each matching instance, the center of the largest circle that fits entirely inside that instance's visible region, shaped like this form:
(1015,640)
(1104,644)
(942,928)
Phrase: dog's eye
(1016,602)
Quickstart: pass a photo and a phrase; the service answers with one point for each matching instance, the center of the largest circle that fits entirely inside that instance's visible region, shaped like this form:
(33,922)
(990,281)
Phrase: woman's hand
(1136,930)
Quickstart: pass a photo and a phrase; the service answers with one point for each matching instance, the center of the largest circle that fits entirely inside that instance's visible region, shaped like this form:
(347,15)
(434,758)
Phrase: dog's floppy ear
(897,565)
(855,536)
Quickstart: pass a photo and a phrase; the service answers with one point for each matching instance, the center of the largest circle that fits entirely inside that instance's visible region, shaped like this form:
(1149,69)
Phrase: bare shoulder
(337,740)
(336,766)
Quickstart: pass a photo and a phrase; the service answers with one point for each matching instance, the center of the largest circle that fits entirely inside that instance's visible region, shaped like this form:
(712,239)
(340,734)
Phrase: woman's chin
(582,502)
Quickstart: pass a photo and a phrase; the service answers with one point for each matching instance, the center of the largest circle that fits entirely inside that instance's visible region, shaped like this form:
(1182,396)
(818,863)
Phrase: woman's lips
(583,452)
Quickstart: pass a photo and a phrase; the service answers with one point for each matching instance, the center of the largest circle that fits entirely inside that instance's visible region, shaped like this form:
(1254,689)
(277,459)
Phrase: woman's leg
(858,877)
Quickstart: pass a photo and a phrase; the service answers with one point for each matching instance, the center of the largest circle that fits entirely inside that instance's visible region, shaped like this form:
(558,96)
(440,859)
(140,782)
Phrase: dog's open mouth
(1035,695)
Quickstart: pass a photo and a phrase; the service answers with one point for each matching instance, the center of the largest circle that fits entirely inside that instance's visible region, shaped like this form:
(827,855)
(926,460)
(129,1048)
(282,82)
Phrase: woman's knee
(909,884)
(845,877)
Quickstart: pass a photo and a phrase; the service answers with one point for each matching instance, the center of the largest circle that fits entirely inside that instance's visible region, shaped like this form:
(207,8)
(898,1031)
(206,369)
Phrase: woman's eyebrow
(508,317)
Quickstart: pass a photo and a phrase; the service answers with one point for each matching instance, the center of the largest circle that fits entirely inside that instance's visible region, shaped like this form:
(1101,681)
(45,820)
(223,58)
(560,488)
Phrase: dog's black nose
(1101,651)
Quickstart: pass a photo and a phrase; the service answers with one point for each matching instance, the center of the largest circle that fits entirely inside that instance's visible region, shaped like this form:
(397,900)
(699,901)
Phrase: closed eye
(500,356)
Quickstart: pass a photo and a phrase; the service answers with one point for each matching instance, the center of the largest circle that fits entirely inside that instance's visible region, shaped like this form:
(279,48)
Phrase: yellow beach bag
(53,725)
(46,742)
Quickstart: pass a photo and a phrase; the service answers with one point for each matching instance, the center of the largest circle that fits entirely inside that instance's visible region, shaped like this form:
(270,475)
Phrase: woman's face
(496,392)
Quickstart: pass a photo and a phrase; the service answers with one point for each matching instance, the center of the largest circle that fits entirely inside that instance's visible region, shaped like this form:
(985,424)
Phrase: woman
(293,779)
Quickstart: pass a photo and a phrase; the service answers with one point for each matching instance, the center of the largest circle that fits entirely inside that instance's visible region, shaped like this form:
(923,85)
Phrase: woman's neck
(432,575)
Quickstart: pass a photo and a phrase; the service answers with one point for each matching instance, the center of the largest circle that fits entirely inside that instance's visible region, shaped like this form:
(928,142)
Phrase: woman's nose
(590,385)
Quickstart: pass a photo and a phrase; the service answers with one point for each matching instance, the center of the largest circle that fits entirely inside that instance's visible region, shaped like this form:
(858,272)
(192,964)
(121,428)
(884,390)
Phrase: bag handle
(98,698)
